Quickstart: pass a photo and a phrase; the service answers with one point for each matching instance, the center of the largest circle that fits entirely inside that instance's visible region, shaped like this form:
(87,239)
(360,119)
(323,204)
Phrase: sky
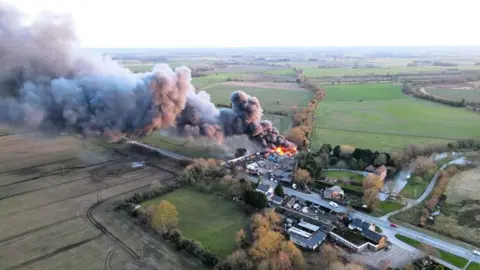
(265,23)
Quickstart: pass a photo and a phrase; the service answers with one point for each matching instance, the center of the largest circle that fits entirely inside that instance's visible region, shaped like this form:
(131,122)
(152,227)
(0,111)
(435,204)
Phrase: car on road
(334,204)
(476,252)
(393,225)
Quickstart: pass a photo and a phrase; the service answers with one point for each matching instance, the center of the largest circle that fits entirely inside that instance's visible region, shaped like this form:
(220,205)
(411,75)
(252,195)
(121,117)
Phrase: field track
(43,206)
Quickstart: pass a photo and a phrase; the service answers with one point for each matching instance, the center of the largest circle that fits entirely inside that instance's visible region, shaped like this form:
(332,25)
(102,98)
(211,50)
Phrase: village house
(265,189)
(277,200)
(334,192)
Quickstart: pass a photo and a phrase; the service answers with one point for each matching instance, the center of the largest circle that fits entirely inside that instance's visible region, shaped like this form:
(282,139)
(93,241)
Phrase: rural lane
(381,222)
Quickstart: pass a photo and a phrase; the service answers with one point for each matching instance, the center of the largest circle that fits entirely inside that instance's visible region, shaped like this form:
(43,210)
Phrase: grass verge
(446,256)
(206,218)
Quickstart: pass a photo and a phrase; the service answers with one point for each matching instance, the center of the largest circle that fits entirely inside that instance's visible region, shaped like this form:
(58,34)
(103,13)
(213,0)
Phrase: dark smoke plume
(46,82)
(201,118)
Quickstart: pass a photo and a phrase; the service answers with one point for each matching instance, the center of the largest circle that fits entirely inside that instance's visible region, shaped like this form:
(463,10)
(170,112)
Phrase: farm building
(334,192)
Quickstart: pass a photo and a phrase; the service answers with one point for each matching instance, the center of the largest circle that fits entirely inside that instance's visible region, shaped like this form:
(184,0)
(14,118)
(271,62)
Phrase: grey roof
(263,187)
(360,224)
(335,188)
(372,236)
(315,239)
(291,201)
(277,199)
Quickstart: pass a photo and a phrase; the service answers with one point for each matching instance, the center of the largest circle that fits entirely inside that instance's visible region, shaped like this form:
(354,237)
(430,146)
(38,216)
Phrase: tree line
(303,117)
(414,90)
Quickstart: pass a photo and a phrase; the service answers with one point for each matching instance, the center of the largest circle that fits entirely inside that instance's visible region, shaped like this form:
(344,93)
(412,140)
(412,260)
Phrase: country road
(381,222)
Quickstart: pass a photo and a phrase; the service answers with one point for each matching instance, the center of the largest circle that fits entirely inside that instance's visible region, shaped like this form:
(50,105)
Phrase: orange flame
(285,151)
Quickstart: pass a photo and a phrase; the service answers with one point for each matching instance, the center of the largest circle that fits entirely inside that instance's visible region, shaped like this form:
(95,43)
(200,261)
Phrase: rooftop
(351,236)
(264,188)
(372,236)
(309,226)
(277,199)
(335,188)
(299,232)
(360,223)
(315,239)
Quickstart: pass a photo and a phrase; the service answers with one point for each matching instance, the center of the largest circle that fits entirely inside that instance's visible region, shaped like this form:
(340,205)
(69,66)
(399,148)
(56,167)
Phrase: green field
(473,266)
(220,94)
(204,81)
(381,117)
(338,72)
(458,95)
(207,219)
(448,257)
(414,188)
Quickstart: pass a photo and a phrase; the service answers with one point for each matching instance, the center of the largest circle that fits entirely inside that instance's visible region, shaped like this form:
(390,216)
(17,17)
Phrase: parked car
(334,204)
(393,225)
(476,252)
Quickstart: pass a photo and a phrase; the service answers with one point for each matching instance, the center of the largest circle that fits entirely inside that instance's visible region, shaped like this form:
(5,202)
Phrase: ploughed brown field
(47,186)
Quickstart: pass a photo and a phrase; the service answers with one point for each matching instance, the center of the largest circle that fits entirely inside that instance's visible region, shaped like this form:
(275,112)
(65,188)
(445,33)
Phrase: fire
(285,151)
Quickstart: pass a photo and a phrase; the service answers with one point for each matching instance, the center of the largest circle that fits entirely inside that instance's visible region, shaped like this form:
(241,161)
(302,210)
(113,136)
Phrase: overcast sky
(247,23)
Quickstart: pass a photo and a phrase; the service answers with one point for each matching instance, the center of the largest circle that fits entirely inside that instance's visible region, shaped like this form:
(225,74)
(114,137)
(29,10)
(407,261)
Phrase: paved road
(381,222)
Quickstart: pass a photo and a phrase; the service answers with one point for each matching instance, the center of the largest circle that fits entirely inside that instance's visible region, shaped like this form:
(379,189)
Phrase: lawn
(386,207)
(415,188)
(454,94)
(338,72)
(448,257)
(342,175)
(381,117)
(270,99)
(473,266)
(207,219)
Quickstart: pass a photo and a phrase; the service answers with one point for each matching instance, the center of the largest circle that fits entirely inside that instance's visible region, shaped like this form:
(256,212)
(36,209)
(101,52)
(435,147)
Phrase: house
(290,202)
(334,192)
(360,225)
(381,171)
(376,241)
(265,189)
(379,241)
(306,235)
(277,200)
(370,168)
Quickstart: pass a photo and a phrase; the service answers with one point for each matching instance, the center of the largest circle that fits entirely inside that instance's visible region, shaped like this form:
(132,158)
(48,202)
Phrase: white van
(476,252)
(334,204)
